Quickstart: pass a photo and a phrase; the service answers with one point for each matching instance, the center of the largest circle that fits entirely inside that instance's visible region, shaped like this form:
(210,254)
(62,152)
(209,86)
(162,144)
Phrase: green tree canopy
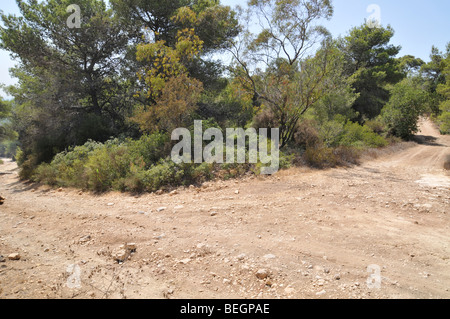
(370,59)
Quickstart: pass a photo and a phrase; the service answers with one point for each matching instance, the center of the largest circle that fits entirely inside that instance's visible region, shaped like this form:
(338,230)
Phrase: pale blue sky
(418,24)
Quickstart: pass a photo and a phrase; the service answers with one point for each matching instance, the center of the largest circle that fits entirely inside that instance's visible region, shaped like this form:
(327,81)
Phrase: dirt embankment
(378,230)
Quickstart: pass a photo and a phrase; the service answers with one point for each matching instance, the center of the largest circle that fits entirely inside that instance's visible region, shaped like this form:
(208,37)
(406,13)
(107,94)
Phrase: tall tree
(158,20)
(370,59)
(434,76)
(274,66)
(6,131)
(68,77)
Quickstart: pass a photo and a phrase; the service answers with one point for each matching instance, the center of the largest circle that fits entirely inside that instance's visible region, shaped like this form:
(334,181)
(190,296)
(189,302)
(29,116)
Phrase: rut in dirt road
(301,233)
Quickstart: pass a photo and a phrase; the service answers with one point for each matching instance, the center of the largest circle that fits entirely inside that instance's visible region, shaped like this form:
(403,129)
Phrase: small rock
(240,257)
(236,191)
(160,209)
(185,261)
(201,245)
(337,277)
(14,256)
(320,293)
(110,204)
(175,192)
(120,256)
(85,239)
(213,213)
(269,256)
(159,192)
(2,259)
(131,247)
(262,274)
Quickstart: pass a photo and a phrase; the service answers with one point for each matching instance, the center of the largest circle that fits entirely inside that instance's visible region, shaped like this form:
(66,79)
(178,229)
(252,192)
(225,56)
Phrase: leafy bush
(151,148)
(320,157)
(360,136)
(47,174)
(444,121)
(306,134)
(401,113)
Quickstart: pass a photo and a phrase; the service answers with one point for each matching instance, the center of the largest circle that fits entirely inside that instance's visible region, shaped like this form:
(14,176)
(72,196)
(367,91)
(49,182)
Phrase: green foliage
(402,112)
(444,122)
(8,149)
(360,136)
(6,130)
(370,61)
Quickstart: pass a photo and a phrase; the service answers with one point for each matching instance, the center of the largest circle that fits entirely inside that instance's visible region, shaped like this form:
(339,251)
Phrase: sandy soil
(316,234)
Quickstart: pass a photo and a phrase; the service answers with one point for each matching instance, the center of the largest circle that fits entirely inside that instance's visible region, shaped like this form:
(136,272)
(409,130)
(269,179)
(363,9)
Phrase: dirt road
(378,230)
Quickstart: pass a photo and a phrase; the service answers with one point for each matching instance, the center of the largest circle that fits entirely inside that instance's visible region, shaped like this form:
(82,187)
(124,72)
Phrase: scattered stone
(2,200)
(103,252)
(179,207)
(175,192)
(60,189)
(14,256)
(159,192)
(236,191)
(262,274)
(85,239)
(269,256)
(201,245)
(337,277)
(120,255)
(185,261)
(320,293)
(160,209)
(2,259)
(131,247)
(110,204)
(240,257)
(213,213)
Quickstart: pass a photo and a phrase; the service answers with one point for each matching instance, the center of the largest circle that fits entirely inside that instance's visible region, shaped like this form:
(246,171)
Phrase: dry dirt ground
(316,234)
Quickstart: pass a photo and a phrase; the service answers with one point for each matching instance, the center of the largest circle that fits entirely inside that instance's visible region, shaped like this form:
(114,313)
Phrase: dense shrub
(402,112)
(444,121)
(360,136)
(306,134)
(320,157)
